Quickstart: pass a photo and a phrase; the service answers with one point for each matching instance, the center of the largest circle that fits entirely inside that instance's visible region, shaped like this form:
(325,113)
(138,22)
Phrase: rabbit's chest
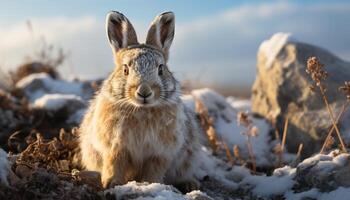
(149,133)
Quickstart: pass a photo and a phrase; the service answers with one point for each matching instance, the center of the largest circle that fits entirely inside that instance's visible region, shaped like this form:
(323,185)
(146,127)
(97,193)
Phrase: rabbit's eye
(160,69)
(126,70)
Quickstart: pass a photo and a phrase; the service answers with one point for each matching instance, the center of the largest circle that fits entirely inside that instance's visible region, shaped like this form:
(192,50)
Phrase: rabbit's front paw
(108,182)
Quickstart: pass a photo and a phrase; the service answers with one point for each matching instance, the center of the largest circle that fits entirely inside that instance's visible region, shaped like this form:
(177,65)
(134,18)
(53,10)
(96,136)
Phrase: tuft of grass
(228,154)
(31,68)
(45,57)
(279,148)
(237,154)
(207,124)
(250,131)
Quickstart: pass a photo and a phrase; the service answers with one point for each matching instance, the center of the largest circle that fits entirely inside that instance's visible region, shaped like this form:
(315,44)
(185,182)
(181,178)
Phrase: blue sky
(12,11)
(215,41)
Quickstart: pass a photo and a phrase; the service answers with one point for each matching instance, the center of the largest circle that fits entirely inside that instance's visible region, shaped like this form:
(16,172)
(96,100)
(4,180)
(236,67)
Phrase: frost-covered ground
(318,177)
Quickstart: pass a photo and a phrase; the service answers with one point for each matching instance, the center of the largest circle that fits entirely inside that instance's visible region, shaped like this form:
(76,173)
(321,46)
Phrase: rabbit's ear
(119,30)
(161,32)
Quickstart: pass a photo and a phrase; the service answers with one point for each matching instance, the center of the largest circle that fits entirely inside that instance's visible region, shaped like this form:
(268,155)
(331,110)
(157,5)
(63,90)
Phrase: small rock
(23,171)
(64,165)
(91,178)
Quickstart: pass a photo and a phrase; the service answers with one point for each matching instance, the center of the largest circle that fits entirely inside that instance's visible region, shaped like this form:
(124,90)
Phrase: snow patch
(277,184)
(271,48)
(209,165)
(224,112)
(312,193)
(340,194)
(39,84)
(240,104)
(55,102)
(4,167)
(145,191)
(326,163)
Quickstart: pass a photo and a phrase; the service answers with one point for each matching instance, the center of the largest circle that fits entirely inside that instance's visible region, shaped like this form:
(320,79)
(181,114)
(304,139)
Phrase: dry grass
(237,155)
(31,68)
(285,131)
(45,58)
(207,124)
(57,153)
(329,141)
(318,75)
(228,154)
(279,148)
(300,149)
(251,131)
(298,155)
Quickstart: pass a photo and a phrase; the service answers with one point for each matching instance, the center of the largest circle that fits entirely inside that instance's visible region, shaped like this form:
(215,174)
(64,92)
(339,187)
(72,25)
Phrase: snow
(239,104)
(312,193)
(280,181)
(196,194)
(55,101)
(326,163)
(207,164)
(145,191)
(4,167)
(39,84)
(224,111)
(271,48)
(50,94)
(340,194)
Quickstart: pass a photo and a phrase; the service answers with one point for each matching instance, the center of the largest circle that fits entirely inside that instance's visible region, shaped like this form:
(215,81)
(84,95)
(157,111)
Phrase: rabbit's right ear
(120,32)
(161,32)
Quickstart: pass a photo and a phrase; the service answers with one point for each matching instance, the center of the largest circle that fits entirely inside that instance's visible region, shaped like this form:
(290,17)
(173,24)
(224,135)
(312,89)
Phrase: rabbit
(137,127)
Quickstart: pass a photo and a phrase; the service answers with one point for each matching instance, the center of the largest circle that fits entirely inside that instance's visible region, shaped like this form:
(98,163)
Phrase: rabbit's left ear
(161,32)
(120,32)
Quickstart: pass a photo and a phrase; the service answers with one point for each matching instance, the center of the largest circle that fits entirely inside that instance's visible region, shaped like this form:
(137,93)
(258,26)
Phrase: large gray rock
(281,90)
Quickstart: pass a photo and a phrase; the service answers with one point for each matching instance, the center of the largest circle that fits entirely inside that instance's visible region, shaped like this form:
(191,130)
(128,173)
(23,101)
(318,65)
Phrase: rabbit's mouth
(144,99)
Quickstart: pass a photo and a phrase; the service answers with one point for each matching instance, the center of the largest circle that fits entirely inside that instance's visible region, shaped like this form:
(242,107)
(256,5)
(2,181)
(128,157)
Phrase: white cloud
(54,29)
(81,37)
(224,46)
(218,48)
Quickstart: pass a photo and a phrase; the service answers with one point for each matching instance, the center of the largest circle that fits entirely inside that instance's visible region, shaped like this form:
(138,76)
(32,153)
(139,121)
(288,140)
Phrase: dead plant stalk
(318,74)
(329,135)
(251,131)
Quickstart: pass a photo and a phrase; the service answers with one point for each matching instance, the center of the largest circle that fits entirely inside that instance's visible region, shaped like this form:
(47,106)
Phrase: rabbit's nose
(144,95)
(144,91)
